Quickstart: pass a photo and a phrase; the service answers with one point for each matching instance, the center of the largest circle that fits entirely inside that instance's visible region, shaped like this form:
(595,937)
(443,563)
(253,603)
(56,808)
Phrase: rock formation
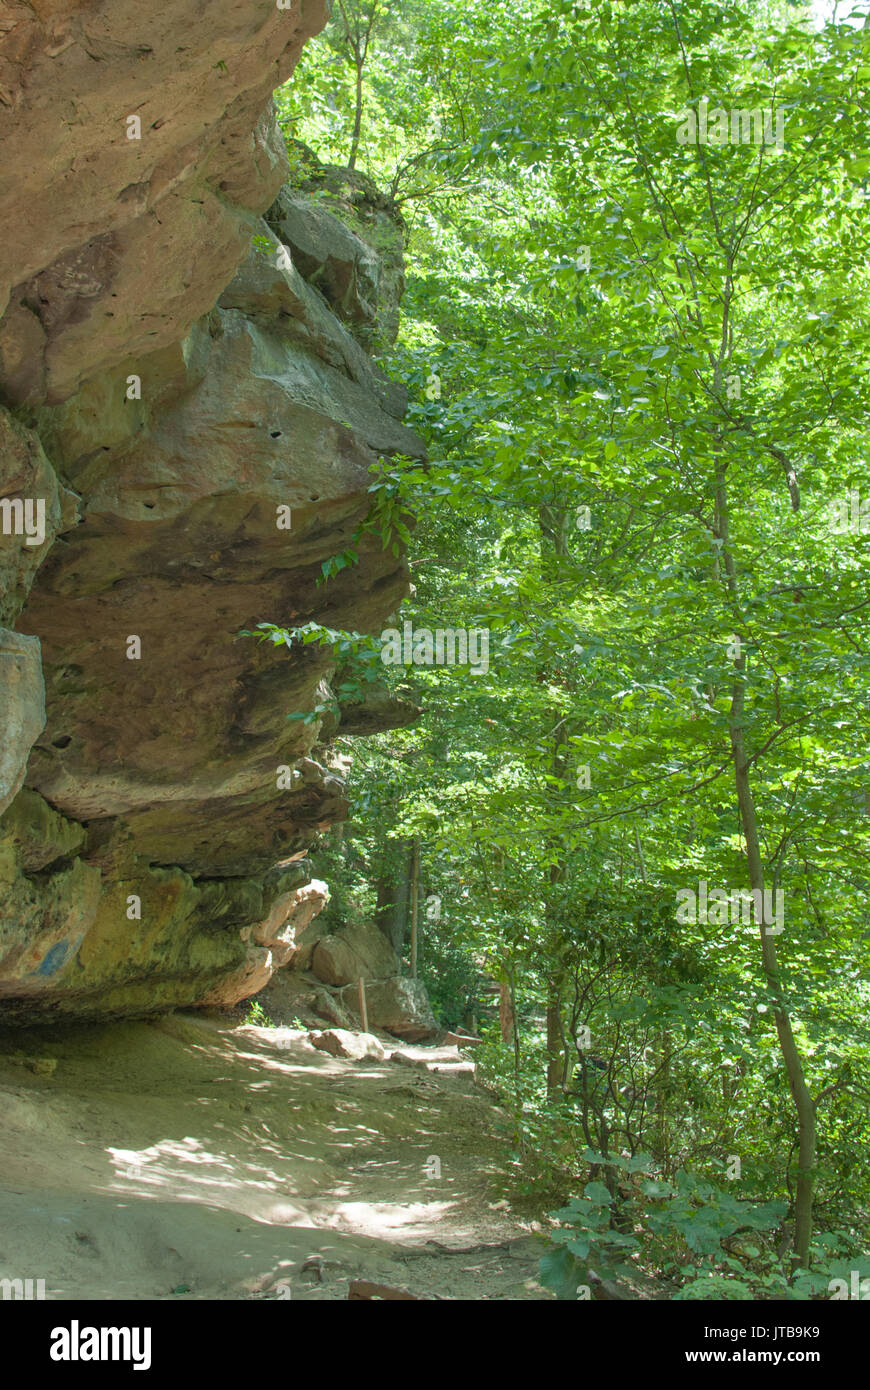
(188,415)
(324,970)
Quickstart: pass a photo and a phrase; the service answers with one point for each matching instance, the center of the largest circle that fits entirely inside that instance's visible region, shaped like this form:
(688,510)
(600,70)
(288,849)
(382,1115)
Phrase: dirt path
(185,1158)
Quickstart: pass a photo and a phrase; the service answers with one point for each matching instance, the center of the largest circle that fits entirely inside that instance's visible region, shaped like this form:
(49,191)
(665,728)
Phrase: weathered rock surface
(194,403)
(328,1006)
(399,1006)
(360,271)
(290,914)
(362,952)
(269,944)
(34,508)
(26,535)
(114,246)
(333,258)
(179,546)
(22,692)
(83,934)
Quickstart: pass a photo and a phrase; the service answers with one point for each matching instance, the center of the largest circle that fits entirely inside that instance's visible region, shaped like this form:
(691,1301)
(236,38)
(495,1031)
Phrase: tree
(651,357)
(359,22)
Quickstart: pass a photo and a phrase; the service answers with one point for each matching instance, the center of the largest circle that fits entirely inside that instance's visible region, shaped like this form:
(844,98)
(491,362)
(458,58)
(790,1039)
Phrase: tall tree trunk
(401,911)
(515,1028)
(555,531)
(394,882)
(415,893)
(803,1102)
(557,1061)
(386,890)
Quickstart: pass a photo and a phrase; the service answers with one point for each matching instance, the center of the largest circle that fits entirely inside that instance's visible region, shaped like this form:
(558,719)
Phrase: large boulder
(354,952)
(356,1046)
(399,1006)
(329,1006)
(329,255)
(359,270)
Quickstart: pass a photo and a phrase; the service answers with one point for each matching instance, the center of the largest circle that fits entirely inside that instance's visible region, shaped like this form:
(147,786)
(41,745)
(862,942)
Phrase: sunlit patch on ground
(181,1158)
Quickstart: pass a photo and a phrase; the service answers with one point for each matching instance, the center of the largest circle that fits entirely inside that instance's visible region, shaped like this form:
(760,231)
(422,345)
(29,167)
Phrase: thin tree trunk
(396,909)
(554,1039)
(505,1009)
(415,885)
(357,119)
(556,1060)
(664,1089)
(358,36)
(385,910)
(391,913)
(515,1027)
(554,526)
(640,859)
(803,1102)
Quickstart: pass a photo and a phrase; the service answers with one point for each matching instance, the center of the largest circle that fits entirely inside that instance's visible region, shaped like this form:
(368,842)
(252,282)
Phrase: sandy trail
(190,1158)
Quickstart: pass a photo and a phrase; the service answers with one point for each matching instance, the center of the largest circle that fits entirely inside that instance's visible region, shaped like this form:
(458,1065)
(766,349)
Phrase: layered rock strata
(189,405)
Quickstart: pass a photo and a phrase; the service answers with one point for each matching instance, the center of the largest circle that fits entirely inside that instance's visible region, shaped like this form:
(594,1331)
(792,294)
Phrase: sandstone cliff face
(186,389)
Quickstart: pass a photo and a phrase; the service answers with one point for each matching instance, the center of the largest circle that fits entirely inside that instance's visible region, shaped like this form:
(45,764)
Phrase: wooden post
(363,1011)
(415,876)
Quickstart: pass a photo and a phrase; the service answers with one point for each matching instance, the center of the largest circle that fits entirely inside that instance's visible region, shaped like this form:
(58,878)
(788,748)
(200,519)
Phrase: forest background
(639,363)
